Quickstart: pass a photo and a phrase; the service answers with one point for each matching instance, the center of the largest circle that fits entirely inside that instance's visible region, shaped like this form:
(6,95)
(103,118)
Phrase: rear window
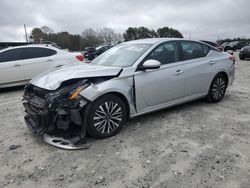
(206,49)
(30,53)
(192,50)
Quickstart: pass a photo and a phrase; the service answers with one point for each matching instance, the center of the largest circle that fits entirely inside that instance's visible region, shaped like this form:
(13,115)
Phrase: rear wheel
(217,89)
(106,116)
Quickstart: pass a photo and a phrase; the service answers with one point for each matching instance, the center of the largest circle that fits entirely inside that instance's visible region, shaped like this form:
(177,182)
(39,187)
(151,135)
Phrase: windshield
(123,55)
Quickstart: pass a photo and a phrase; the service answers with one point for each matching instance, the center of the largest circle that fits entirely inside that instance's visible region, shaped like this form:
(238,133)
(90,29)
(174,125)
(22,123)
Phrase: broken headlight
(69,92)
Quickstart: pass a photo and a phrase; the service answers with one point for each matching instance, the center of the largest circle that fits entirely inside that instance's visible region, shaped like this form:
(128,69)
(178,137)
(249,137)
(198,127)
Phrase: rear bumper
(231,76)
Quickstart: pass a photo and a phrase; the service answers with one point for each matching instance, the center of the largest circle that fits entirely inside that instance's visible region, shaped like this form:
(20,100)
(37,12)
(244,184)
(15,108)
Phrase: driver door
(11,66)
(160,87)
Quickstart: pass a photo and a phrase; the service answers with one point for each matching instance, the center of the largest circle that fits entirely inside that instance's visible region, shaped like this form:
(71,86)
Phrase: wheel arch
(212,78)
(224,74)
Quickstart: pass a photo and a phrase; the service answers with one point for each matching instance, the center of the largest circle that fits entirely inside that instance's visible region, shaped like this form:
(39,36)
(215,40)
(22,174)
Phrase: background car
(244,53)
(220,47)
(20,64)
(92,53)
(130,79)
(236,45)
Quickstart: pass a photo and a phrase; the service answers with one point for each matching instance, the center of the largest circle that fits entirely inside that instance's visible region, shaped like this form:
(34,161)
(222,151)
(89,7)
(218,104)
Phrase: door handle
(48,60)
(178,72)
(211,62)
(17,65)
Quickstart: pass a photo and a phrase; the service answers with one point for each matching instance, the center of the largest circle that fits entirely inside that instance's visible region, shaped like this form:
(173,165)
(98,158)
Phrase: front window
(165,53)
(124,55)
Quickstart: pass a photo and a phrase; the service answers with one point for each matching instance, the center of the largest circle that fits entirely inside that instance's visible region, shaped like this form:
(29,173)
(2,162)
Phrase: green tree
(75,42)
(133,33)
(63,40)
(36,35)
(169,33)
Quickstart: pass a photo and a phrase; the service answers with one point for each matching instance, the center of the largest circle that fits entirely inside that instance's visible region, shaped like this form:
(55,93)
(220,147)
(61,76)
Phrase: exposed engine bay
(57,116)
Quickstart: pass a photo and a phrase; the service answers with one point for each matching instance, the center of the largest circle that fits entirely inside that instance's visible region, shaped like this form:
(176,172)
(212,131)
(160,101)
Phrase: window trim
(181,49)
(54,51)
(22,49)
(145,58)
(8,50)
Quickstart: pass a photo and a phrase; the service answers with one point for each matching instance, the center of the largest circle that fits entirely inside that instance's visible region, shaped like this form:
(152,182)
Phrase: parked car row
(244,53)
(19,64)
(220,47)
(243,46)
(91,53)
(235,45)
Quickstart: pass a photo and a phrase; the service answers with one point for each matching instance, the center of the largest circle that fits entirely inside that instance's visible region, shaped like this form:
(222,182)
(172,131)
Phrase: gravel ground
(192,145)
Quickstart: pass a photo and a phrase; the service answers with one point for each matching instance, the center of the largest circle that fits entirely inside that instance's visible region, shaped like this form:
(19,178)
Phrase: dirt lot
(192,145)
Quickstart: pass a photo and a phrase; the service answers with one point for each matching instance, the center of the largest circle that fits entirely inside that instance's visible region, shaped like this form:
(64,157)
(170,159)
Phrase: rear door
(199,67)
(11,66)
(155,88)
(37,60)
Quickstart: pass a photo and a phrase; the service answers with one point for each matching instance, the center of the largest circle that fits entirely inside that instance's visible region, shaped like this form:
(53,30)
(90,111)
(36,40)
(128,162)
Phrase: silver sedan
(130,79)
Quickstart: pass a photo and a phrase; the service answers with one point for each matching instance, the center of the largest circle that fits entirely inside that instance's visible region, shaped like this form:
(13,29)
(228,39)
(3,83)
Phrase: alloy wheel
(108,117)
(219,88)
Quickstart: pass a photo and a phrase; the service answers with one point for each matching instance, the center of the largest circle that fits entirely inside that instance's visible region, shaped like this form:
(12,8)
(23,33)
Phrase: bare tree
(47,30)
(91,38)
(109,37)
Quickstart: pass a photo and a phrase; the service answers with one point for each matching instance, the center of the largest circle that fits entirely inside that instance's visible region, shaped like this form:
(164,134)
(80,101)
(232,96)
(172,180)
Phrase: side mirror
(151,64)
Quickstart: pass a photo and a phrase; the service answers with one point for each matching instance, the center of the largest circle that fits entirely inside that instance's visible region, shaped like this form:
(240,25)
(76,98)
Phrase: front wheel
(106,116)
(217,89)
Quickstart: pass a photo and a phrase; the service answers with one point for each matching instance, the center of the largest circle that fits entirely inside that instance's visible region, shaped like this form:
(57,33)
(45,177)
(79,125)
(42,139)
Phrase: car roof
(30,45)
(209,42)
(156,40)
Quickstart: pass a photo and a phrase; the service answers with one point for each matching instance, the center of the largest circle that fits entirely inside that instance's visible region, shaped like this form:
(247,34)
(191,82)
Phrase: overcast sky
(198,19)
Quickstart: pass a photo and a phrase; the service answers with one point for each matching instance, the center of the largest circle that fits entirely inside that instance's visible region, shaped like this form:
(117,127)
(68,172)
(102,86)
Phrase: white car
(19,64)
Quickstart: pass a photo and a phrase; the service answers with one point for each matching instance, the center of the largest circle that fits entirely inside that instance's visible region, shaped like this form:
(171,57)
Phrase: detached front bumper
(60,124)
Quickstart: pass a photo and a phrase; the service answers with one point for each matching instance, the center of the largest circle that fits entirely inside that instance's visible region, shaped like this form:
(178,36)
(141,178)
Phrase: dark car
(92,53)
(244,53)
(89,52)
(236,45)
(219,47)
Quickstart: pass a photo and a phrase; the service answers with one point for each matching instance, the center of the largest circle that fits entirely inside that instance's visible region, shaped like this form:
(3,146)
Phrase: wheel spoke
(107,117)
(219,88)
(114,123)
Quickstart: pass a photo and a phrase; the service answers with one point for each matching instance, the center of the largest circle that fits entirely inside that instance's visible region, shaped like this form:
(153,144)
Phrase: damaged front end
(57,115)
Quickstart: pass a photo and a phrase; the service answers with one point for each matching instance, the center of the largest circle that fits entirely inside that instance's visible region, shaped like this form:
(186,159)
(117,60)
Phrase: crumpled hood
(53,78)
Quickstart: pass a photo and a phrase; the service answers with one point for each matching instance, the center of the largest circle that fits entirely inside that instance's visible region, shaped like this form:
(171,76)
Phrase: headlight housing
(70,92)
(75,93)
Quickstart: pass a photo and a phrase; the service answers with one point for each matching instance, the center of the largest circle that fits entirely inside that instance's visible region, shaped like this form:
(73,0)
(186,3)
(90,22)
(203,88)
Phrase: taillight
(80,57)
(232,58)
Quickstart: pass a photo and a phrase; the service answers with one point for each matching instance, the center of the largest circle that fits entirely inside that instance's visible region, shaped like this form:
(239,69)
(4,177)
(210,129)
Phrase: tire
(242,58)
(105,116)
(217,88)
